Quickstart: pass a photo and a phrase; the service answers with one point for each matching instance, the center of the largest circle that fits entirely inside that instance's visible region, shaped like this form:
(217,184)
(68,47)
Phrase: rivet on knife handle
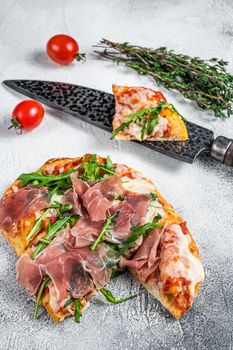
(222,150)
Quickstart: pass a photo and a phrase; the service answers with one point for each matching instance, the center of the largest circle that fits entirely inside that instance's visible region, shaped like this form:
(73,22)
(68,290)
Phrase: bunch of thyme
(205,81)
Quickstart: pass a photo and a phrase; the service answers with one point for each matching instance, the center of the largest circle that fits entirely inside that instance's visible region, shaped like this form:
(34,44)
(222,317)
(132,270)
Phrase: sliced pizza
(144,114)
(75,223)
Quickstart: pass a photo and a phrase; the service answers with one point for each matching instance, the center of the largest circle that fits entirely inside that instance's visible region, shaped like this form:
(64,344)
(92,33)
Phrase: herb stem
(205,81)
(53,230)
(105,230)
(37,225)
(111,299)
(39,295)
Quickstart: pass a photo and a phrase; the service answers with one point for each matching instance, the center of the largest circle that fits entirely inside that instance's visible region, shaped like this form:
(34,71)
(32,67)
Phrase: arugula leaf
(92,171)
(105,230)
(121,128)
(37,224)
(115,273)
(109,165)
(52,231)
(77,308)
(138,231)
(54,191)
(39,179)
(111,299)
(147,118)
(44,283)
(89,170)
(61,209)
(144,128)
(68,302)
(153,196)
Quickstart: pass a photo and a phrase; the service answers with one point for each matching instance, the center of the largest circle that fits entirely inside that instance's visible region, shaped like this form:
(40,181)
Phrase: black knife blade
(98,107)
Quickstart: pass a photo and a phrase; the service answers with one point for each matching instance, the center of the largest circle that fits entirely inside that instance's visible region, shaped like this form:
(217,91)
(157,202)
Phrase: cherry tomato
(63,49)
(27,115)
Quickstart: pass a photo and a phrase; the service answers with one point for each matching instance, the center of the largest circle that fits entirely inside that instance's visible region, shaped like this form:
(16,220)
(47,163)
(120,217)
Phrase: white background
(201,192)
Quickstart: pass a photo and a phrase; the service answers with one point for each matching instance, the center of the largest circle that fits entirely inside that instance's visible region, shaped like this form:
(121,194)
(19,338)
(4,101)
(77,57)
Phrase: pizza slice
(144,114)
(75,223)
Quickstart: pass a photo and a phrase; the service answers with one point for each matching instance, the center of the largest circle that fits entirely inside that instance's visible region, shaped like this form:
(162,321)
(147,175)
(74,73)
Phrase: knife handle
(222,150)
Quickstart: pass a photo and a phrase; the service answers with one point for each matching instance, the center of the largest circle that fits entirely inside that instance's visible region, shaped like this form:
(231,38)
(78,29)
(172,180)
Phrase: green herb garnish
(205,81)
(105,230)
(52,231)
(153,196)
(54,191)
(40,293)
(39,179)
(143,117)
(61,209)
(147,118)
(91,170)
(115,273)
(77,308)
(111,299)
(138,231)
(108,167)
(37,225)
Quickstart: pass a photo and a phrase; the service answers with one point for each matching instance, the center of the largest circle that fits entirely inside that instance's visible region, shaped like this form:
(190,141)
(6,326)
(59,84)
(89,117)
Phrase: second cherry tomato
(62,48)
(27,115)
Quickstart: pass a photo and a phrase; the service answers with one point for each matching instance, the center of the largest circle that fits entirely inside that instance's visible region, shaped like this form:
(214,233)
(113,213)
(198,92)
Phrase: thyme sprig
(205,81)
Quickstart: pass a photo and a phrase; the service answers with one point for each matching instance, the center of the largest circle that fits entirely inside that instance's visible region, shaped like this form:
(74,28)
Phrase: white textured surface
(202,192)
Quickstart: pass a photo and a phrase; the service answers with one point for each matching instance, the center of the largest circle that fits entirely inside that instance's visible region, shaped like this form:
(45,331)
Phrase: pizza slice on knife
(78,222)
(144,114)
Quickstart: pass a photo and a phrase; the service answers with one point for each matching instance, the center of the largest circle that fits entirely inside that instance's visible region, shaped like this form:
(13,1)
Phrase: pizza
(144,114)
(76,223)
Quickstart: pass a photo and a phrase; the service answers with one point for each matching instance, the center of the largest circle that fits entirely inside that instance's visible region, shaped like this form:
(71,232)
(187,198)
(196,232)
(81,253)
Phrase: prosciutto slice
(79,271)
(55,249)
(79,185)
(68,273)
(83,233)
(21,204)
(146,259)
(97,199)
(29,274)
(140,203)
(74,194)
(70,196)
(98,263)
(111,188)
(122,223)
(96,204)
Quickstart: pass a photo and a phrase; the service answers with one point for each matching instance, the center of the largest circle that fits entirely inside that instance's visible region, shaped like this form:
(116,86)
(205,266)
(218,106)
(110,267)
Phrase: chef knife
(98,107)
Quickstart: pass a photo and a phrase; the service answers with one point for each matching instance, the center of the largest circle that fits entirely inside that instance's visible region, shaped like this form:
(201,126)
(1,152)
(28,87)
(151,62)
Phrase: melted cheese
(137,185)
(177,259)
(56,198)
(155,208)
